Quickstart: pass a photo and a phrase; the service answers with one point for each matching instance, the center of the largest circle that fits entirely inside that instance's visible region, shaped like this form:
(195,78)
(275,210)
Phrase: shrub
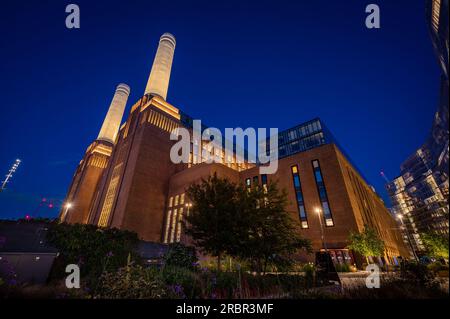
(342,267)
(180,255)
(395,289)
(185,281)
(133,282)
(95,250)
(417,272)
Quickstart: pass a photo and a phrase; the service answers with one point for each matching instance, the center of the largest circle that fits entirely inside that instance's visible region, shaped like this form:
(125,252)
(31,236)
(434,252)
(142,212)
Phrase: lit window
(264,179)
(436,10)
(176,200)
(322,194)
(166,234)
(180,220)
(171,201)
(182,199)
(173,226)
(299,197)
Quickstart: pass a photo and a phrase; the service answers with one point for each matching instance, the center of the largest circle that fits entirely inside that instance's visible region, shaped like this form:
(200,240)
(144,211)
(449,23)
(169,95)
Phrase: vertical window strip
(174,224)
(299,196)
(180,220)
(326,210)
(264,182)
(166,234)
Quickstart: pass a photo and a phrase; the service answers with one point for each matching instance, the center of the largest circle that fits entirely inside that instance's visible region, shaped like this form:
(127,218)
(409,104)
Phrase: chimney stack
(113,118)
(158,81)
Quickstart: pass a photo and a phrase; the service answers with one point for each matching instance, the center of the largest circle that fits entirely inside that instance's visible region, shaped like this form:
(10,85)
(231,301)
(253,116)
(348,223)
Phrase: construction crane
(11,171)
(384,176)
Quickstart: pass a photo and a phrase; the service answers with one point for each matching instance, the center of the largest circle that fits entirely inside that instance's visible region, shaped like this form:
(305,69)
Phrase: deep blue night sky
(237,63)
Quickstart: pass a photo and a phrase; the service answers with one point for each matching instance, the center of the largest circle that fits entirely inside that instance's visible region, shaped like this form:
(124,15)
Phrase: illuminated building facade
(91,168)
(142,190)
(420,193)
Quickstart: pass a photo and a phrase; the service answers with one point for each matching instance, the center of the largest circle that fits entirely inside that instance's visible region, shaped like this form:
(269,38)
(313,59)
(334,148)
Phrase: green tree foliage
(367,243)
(93,249)
(214,216)
(250,224)
(271,236)
(436,245)
(180,255)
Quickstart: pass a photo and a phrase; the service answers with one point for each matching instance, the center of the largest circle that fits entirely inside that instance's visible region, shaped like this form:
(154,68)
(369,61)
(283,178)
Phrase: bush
(95,250)
(187,282)
(342,267)
(396,289)
(134,282)
(416,272)
(437,266)
(182,256)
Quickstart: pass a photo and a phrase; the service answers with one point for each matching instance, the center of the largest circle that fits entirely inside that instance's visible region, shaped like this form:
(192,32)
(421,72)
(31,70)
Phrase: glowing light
(11,171)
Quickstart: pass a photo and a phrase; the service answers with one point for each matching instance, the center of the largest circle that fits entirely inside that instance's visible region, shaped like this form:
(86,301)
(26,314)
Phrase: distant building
(25,255)
(142,190)
(420,193)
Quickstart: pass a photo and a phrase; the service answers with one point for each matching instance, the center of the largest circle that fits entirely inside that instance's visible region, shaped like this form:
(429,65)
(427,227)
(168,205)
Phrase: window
(171,201)
(248,182)
(326,211)
(299,196)
(176,200)
(166,234)
(180,223)
(182,199)
(174,224)
(255,181)
(264,182)
(264,179)
(292,135)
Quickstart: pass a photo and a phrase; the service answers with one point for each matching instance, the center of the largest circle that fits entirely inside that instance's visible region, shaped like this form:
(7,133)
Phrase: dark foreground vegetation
(111,269)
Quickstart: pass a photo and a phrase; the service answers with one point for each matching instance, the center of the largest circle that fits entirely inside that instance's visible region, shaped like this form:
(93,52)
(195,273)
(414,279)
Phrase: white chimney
(113,118)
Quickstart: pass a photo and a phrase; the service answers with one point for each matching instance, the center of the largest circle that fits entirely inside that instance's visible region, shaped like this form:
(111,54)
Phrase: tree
(367,243)
(250,224)
(180,255)
(436,245)
(214,216)
(272,236)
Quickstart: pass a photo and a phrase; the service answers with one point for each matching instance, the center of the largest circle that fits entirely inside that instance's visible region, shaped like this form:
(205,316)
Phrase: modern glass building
(420,193)
(302,138)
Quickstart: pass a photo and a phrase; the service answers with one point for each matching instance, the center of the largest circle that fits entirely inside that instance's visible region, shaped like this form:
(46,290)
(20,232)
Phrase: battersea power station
(127,179)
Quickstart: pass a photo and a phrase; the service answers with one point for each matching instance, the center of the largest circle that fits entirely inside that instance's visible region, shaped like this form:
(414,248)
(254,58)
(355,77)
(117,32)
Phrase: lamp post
(67,206)
(319,214)
(188,206)
(400,217)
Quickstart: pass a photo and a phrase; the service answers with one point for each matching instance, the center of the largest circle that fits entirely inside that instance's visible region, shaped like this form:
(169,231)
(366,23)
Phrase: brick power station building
(127,180)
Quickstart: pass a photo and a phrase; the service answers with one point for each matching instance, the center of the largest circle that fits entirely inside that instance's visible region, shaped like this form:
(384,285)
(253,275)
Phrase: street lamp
(400,217)
(67,206)
(188,206)
(319,214)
